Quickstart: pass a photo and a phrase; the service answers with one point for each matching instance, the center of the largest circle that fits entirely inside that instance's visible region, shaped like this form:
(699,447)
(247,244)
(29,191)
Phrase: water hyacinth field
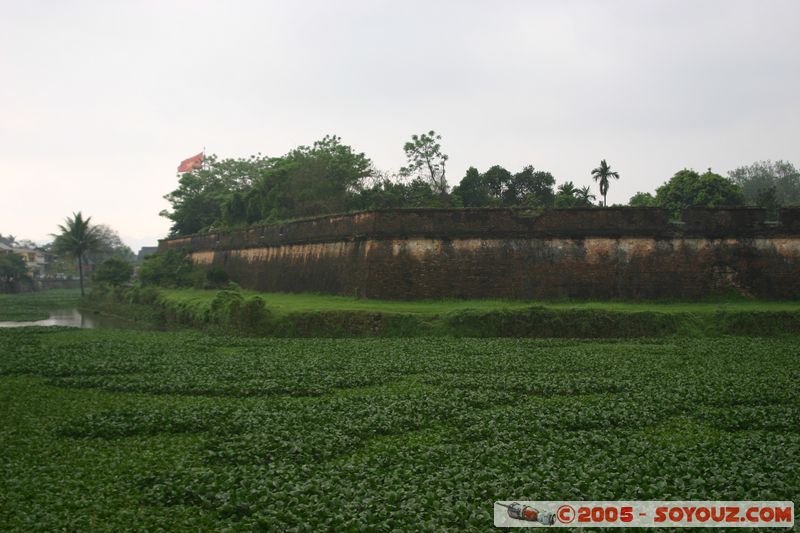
(118,430)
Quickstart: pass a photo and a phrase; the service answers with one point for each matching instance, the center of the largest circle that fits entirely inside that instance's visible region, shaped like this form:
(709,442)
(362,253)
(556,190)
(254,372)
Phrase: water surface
(73,318)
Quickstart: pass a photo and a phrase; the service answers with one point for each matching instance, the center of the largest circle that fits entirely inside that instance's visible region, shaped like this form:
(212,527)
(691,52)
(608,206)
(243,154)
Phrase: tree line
(331,177)
(77,244)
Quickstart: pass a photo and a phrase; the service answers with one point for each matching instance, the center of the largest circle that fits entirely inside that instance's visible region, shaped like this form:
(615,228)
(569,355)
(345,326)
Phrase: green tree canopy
(114,271)
(499,187)
(172,268)
(472,190)
(530,187)
(688,188)
(643,199)
(768,184)
(13,272)
(307,181)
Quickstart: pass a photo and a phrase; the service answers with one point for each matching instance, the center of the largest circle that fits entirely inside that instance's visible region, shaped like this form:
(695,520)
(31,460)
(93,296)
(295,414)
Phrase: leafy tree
(498,187)
(530,187)
(497,180)
(109,244)
(318,179)
(642,199)
(602,174)
(234,210)
(472,190)
(114,271)
(688,188)
(418,193)
(12,272)
(307,181)
(197,202)
(172,268)
(426,161)
(388,194)
(768,184)
(77,238)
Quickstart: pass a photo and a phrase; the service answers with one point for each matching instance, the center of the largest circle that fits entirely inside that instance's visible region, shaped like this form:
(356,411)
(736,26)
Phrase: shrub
(114,272)
(226,306)
(170,269)
(216,278)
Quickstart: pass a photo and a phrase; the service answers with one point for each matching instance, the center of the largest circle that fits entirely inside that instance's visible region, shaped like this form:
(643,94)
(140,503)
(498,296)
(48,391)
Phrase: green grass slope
(304,315)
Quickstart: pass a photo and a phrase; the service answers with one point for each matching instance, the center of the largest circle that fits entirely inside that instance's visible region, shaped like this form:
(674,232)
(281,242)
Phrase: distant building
(5,249)
(144,251)
(35,260)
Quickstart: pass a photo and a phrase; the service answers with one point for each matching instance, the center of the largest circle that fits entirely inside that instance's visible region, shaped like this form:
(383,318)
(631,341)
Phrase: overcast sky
(99,101)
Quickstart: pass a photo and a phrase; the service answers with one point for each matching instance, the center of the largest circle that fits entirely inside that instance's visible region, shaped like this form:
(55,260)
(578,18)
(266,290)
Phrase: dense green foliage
(13,272)
(36,305)
(113,271)
(111,430)
(497,187)
(331,177)
(172,268)
(768,184)
(689,188)
(309,180)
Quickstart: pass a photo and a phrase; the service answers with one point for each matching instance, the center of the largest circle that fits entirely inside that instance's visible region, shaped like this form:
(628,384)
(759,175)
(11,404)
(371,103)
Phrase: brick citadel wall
(593,253)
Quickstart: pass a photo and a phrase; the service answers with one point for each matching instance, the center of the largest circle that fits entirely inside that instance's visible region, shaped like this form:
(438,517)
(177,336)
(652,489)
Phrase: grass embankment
(309,315)
(36,305)
(108,430)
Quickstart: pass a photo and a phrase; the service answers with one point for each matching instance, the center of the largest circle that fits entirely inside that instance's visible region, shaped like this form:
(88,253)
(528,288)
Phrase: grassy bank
(286,303)
(107,430)
(36,305)
(306,315)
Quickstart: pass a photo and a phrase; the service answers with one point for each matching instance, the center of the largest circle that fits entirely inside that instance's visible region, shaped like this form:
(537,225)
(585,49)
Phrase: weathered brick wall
(515,253)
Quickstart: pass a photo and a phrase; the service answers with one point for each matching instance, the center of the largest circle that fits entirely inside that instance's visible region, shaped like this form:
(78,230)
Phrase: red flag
(196,161)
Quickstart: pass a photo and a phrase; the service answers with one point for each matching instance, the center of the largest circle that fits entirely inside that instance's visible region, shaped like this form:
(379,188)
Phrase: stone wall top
(502,223)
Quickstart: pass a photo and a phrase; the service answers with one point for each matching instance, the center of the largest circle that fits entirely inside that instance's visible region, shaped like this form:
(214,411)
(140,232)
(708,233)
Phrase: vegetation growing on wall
(332,177)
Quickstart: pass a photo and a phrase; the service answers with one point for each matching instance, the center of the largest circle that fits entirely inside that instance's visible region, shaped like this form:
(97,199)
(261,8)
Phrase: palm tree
(584,194)
(601,174)
(77,238)
(567,188)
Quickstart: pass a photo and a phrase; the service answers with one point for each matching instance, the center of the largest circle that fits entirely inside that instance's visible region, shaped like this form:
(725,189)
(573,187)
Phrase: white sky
(99,101)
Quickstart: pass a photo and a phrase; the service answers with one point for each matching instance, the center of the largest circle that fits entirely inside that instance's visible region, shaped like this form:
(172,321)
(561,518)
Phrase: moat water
(73,318)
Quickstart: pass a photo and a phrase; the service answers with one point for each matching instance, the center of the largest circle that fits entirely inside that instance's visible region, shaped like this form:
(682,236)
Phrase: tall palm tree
(601,174)
(77,238)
